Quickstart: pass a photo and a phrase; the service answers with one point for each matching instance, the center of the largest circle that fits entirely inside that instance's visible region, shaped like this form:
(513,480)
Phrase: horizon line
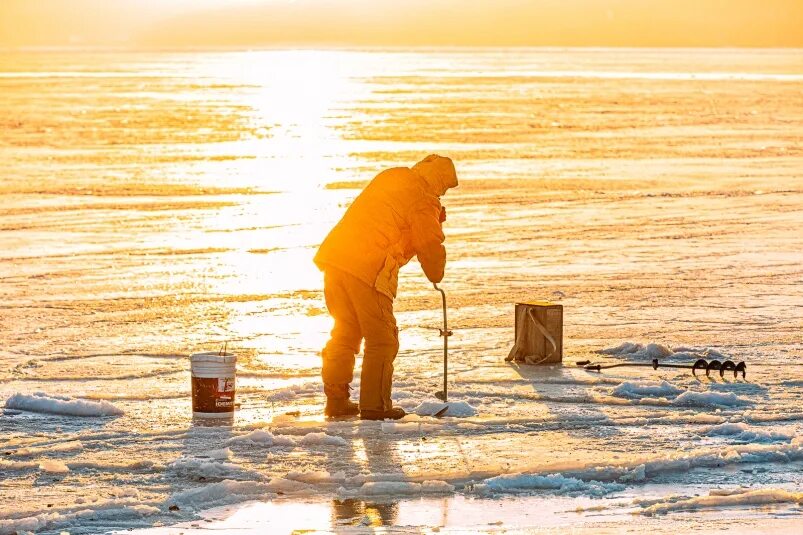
(352,47)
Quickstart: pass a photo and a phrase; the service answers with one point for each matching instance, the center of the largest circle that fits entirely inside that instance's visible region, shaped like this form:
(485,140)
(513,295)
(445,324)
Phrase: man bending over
(397,216)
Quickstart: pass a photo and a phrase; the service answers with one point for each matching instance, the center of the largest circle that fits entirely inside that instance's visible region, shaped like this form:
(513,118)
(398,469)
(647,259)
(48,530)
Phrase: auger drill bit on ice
(700,364)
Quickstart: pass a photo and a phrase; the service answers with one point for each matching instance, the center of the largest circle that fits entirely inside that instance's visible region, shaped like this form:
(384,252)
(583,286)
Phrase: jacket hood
(438,172)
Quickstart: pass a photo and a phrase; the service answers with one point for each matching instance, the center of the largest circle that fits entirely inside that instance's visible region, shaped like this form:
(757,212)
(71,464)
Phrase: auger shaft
(443,395)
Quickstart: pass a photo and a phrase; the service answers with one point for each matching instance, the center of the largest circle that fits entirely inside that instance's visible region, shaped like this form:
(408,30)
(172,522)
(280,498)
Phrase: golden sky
(254,23)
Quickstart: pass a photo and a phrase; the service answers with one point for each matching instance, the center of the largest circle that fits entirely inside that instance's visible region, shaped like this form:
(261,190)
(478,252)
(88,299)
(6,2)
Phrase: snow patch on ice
(761,416)
(141,464)
(554,482)
(724,499)
(665,393)
(638,351)
(103,510)
(61,405)
(261,437)
(744,433)
(222,454)
(53,466)
(144,464)
(316,478)
(206,469)
(322,439)
(703,399)
(458,409)
(638,389)
(125,492)
(228,491)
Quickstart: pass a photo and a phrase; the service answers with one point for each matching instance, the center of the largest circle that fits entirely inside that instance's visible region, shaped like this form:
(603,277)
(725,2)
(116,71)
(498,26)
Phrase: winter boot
(340,407)
(338,403)
(394,413)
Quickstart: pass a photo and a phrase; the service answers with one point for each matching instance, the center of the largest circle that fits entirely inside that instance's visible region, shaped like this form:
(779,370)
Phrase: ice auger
(701,364)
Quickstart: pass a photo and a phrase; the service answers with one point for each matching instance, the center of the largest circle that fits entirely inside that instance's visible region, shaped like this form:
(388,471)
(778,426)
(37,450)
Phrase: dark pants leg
(345,338)
(359,312)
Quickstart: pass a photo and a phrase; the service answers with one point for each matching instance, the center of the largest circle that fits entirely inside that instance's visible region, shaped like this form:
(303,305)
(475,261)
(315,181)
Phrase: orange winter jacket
(396,217)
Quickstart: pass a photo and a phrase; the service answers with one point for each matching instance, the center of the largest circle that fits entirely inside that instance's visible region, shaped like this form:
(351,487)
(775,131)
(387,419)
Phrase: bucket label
(213,394)
(225,384)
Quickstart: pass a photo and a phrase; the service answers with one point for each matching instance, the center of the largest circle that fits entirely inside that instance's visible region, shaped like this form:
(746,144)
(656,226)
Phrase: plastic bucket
(213,384)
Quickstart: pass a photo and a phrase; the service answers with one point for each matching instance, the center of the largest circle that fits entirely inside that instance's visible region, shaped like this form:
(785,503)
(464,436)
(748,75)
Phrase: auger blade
(728,365)
(741,367)
(713,365)
(701,364)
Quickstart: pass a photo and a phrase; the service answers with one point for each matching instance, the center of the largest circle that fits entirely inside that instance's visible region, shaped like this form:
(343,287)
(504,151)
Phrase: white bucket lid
(213,356)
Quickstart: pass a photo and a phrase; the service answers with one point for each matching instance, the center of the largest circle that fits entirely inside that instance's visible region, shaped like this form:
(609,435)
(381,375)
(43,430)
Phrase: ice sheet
(176,204)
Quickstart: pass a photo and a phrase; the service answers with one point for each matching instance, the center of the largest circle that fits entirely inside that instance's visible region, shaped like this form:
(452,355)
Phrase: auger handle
(445,333)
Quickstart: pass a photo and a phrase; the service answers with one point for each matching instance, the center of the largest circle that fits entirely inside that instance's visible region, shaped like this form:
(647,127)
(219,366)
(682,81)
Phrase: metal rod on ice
(445,333)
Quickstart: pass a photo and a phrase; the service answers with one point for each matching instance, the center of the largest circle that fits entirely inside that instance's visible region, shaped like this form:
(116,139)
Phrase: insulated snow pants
(360,312)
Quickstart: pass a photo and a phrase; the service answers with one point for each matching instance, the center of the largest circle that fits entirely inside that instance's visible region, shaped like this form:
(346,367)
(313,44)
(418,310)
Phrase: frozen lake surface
(154,205)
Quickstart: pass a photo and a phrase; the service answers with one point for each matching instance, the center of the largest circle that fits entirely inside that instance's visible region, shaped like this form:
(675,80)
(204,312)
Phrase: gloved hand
(442,217)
